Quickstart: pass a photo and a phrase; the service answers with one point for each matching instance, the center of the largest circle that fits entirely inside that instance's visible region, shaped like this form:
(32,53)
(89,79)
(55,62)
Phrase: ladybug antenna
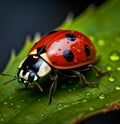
(14,78)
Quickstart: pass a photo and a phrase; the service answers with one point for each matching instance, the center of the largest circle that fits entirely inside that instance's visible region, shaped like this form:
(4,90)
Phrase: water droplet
(11,104)
(74,88)
(91,109)
(39,100)
(117,87)
(102,96)
(111,79)
(23,100)
(10,97)
(107,104)
(18,106)
(88,95)
(42,115)
(101,42)
(118,68)
(5,103)
(108,67)
(2,119)
(0,114)
(84,100)
(60,107)
(69,90)
(114,56)
(76,85)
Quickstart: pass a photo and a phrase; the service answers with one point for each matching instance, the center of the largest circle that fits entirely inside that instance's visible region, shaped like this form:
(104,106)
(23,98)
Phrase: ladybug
(65,50)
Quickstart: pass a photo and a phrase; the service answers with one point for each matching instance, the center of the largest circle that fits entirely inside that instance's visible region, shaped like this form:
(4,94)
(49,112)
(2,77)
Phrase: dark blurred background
(19,18)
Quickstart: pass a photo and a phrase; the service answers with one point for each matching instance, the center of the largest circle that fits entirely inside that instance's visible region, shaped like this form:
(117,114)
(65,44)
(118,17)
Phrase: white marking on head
(21,74)
(24,76)
(44,69)
(35,78)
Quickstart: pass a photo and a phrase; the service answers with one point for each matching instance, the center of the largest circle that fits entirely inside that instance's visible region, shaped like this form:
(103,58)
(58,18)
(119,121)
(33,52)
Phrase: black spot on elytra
(52,32)
(71,37)
(87,50)
(41,50)
(68,55)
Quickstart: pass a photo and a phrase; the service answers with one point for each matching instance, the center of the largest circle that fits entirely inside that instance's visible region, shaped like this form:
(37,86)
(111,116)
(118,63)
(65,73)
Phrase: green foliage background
(72,102)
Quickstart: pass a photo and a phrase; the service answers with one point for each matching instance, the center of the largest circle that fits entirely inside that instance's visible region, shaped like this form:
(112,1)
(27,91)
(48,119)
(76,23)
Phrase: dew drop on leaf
(60,107)
(18,106)
(23,100)
(69,90)
(2,119)
(5,103)
(109,68)
(111,79)
(91,109)
(114,56)
(88,95)
(10,97)
(11,104)
(101,42)
(39,100)
(118,68)
(117,87)
(102,96)
(42,115)
(0,114)
(74,88)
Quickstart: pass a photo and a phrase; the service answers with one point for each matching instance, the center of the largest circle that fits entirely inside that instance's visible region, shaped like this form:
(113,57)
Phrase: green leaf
(72,102)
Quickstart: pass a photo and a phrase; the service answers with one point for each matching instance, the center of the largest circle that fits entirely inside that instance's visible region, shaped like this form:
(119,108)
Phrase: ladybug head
(32,68)
(26,76)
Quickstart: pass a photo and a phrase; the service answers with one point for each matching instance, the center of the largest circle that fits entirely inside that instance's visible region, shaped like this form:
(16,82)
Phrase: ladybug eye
(68,55)
(71,37)
(32,77)
(87,50)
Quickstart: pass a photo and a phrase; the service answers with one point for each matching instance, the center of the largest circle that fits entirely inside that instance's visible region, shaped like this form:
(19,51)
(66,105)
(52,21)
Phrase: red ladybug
(63,50)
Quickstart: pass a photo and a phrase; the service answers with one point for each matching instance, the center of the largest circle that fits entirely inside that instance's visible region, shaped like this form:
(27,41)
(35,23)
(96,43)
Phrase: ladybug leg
(98,71)
(84,80)
(53,87)
(40,88)
(26,88)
